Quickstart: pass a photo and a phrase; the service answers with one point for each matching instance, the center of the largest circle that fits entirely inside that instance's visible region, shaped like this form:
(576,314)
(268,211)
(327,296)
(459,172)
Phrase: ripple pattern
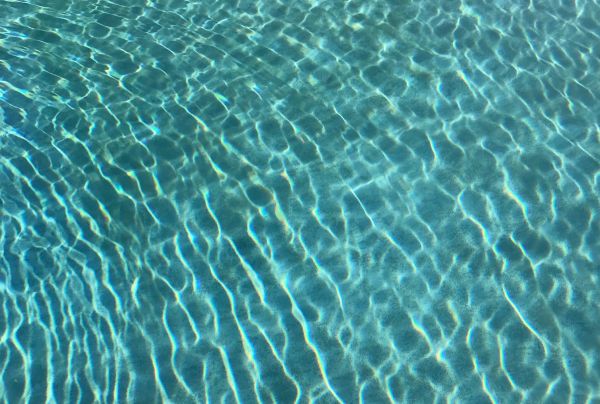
(312,201)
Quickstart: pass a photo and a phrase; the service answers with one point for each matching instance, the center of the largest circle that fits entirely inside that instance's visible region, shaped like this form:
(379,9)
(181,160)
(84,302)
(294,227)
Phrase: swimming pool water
(312,201)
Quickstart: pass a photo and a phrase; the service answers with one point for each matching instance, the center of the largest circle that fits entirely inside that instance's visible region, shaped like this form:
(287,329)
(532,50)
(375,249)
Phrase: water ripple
(312,202)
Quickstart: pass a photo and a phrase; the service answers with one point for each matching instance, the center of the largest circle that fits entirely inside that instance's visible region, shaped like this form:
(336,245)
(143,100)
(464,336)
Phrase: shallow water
(341,201)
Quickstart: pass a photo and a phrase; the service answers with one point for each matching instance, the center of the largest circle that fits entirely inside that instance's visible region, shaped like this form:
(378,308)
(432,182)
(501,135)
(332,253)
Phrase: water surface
(338,201)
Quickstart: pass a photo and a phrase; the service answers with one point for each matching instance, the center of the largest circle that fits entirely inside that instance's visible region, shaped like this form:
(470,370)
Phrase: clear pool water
(311,201)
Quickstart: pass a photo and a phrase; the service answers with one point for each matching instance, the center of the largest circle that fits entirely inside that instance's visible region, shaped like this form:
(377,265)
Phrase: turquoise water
(337,201)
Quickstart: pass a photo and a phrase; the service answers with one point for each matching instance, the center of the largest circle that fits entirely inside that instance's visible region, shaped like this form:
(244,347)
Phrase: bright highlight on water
(289,202)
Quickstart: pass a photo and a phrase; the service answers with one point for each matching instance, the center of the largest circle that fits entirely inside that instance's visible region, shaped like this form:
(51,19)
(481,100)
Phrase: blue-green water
(336,201)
